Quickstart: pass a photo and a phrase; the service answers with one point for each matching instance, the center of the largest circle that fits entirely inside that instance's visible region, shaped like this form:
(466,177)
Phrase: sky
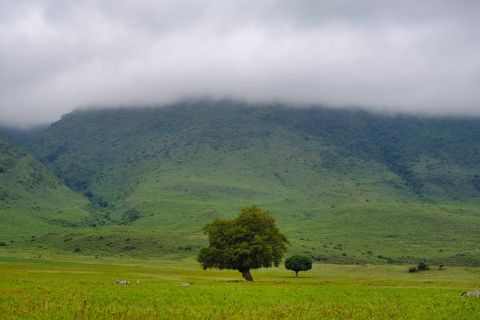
(408,56)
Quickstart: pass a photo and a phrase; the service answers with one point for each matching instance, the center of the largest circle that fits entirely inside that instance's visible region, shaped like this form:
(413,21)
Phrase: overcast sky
(407,56)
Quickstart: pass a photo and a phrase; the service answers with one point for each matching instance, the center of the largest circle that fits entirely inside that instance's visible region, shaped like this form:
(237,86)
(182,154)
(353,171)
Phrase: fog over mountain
(409,56)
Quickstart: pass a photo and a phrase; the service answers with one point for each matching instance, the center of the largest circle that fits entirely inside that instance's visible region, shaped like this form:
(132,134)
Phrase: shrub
(422,266)
(298,263)
(130,216)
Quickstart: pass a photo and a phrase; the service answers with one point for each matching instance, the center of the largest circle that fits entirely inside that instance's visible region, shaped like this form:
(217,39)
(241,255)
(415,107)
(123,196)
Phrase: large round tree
(250,241)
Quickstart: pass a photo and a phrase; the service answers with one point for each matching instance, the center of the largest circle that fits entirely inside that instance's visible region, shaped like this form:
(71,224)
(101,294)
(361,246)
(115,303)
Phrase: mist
(408,57)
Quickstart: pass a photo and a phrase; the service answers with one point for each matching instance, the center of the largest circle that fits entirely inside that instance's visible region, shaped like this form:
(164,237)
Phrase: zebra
(126,282)
(471,294)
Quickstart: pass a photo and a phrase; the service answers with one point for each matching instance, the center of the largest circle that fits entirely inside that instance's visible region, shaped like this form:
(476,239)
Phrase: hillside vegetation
(32,200)
(344,185)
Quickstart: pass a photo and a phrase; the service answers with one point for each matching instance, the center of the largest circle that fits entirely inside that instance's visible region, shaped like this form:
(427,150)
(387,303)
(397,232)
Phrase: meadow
(82,287)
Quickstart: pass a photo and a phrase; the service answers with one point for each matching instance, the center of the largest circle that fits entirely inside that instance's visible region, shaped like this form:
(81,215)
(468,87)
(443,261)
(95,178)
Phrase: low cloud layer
(397,56)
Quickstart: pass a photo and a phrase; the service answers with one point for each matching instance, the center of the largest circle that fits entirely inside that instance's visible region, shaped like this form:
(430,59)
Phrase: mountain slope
(32,200)
(344,184)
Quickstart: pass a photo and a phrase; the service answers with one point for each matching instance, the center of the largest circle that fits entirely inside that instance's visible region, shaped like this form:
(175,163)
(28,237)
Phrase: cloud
(396,56)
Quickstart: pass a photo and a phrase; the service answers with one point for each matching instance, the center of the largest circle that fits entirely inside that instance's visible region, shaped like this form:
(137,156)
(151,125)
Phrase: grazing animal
(138,282)
(126,282)
(471,294)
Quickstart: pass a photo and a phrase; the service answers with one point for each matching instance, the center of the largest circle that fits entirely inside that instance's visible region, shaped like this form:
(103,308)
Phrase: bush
(422,266)
(130,216)
(298,263)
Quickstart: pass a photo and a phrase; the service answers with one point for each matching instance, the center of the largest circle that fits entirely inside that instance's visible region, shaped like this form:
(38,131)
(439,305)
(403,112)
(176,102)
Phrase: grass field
(80,287)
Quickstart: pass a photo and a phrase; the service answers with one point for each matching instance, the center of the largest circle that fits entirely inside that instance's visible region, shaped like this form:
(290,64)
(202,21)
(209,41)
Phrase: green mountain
(32,200)
(344,185)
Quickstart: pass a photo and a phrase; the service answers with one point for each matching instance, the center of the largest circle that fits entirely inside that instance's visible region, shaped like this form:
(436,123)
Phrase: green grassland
(345,186)
(443,237)
(82,287)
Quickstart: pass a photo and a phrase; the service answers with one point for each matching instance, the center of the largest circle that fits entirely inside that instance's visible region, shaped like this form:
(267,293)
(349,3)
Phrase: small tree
(422,266)
(298,263)
(250,241)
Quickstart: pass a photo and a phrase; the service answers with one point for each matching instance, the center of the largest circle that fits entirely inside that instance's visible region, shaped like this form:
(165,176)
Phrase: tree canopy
(250,241)
(298,263)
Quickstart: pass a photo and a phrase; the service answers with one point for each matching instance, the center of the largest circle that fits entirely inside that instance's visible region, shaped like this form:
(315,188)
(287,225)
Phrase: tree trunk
(246,274)
(296,273)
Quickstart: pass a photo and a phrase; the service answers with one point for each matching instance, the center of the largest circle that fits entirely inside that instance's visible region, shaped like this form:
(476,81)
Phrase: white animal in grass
(471,294)
(126,282)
